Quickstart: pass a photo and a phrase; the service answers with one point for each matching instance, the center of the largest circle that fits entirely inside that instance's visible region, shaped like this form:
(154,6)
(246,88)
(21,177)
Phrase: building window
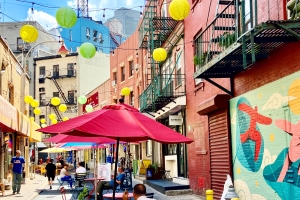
(131,99)
(71,96)
(70,35)
(55,94)
(11,94)
(163,10)
(114,82)
(100,38)
(201,57)
(42,89)
(95,34)
(149,148)
(88,35)
(178,80)
(55,71)
(43,99)
(122,73)
(19,44)
(70,69)
(42,70)
(131,68)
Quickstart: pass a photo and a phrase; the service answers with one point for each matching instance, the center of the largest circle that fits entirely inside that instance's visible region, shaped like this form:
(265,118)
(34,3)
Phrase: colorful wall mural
(265,128)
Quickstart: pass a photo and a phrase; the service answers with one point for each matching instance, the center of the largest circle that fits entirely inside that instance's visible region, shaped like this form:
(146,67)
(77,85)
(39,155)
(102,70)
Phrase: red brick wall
(125,52)
(281,62)
(198,163)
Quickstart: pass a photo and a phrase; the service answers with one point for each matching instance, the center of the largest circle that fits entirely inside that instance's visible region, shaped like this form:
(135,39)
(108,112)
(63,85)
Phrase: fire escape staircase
(60,91)
(234,41)
(59,118)
(114,39)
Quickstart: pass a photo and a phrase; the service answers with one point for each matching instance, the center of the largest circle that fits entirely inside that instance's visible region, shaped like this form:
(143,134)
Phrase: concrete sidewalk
(29,190)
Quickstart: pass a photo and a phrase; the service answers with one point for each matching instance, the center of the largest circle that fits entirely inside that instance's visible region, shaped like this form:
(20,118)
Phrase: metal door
(220,159)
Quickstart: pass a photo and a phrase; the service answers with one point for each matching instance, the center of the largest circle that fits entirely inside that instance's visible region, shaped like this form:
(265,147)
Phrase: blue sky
(21,9)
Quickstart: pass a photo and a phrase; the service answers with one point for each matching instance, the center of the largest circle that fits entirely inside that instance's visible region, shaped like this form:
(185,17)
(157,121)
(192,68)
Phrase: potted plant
(226,39)
(153,171)
(84,193)
(200,60)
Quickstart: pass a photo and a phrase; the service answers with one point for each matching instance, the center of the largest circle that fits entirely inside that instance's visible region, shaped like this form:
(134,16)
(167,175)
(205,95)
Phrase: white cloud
(276,101)
(128,2)
(44,19)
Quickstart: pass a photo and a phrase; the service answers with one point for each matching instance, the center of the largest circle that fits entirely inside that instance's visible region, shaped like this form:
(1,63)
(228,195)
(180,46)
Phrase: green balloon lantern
(43,121)
(28,99)
(66,17)
(87,50)
(55,101)
(89,108)
(65,119)
(29,33)
(62,107)
(82,100)
(35,103)
(52,116)
(43,125)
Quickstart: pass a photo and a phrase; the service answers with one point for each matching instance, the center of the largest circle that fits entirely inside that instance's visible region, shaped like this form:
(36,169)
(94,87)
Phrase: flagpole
(116,166)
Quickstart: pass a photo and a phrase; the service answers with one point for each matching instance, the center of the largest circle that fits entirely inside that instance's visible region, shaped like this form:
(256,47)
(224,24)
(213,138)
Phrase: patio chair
(61,182)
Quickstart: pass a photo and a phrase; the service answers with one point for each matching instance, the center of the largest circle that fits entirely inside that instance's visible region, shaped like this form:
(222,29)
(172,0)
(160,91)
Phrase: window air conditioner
(42,76)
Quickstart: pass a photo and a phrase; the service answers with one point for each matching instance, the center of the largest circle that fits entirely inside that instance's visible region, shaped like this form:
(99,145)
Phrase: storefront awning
(35,136)
(8,116)
(24,124)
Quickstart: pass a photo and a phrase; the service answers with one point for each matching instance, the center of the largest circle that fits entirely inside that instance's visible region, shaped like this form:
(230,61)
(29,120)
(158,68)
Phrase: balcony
(17,48)
(237,39)
(64,73)
(163,89)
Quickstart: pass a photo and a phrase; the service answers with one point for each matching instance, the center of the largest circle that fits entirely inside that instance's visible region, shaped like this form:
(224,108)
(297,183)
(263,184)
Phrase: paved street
(29,190)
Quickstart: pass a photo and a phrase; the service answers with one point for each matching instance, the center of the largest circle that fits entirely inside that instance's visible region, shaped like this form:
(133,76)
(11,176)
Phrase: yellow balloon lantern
(32,118)
(62,107)
(65,119)
(43,121)
(54,121)
(55,101)
(35,103)
(29,33)
(125,91)
(160,54)
(28,99)
(179,9)
(37,111)
(52,116)
(43,125)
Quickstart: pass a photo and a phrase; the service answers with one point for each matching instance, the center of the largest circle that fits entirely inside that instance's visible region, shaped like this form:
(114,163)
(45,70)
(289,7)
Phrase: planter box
(151,175)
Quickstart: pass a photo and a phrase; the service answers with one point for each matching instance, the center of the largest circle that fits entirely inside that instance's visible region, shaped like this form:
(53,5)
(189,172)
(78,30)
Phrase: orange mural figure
(252,133)
(294,150)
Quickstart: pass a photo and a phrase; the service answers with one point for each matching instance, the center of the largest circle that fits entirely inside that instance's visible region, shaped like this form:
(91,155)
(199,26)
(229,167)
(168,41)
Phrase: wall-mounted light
(136,53)
(113,53)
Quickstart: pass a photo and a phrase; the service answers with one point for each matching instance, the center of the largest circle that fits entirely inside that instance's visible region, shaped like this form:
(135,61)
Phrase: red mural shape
(294,150)
(252,133)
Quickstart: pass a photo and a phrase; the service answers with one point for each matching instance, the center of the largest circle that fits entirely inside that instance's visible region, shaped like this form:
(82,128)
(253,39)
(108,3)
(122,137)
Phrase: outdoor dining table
(118,195)
(92,180)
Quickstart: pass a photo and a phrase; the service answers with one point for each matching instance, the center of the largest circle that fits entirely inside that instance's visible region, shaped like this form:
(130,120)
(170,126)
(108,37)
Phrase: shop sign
(175,120)
(92,100)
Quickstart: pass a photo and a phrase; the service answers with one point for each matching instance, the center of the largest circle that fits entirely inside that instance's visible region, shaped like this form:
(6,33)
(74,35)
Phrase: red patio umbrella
(62,138)
(119,121)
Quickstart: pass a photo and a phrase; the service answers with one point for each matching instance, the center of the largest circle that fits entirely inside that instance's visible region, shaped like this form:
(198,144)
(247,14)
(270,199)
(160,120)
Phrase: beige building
(67,78)
(16,132)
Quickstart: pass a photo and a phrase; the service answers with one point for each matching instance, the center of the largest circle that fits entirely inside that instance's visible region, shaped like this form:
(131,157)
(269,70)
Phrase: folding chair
(79,178)
(61,182)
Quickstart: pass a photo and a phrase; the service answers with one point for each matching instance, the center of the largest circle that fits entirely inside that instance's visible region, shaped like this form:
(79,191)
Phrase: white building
(67,78)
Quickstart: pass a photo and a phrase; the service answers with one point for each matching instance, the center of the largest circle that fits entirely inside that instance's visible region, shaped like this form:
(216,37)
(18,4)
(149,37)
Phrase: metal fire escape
(238,37)
(59,118)
(155,32)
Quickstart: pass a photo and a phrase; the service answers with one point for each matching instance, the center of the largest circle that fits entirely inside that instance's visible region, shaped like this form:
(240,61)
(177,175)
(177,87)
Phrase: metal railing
(237,19)
(166,86)
(63,73)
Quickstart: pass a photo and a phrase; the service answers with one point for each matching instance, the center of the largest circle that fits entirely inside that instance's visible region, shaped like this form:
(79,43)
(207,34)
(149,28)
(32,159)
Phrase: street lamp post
(62,51)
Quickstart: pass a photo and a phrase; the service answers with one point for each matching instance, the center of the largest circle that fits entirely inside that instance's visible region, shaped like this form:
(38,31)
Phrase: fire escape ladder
(114,39)
(59,118)
(60,91)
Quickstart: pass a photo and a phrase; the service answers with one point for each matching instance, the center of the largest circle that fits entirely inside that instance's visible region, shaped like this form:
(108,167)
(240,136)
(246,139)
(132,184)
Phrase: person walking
(51,169)
(16,166)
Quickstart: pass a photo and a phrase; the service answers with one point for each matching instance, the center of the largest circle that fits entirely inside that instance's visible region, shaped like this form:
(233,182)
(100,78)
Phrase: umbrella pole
(96,171)
(116,165)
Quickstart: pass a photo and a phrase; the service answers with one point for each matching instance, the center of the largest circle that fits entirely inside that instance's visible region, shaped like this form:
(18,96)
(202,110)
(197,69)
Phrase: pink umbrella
(62,138)
(121,122)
